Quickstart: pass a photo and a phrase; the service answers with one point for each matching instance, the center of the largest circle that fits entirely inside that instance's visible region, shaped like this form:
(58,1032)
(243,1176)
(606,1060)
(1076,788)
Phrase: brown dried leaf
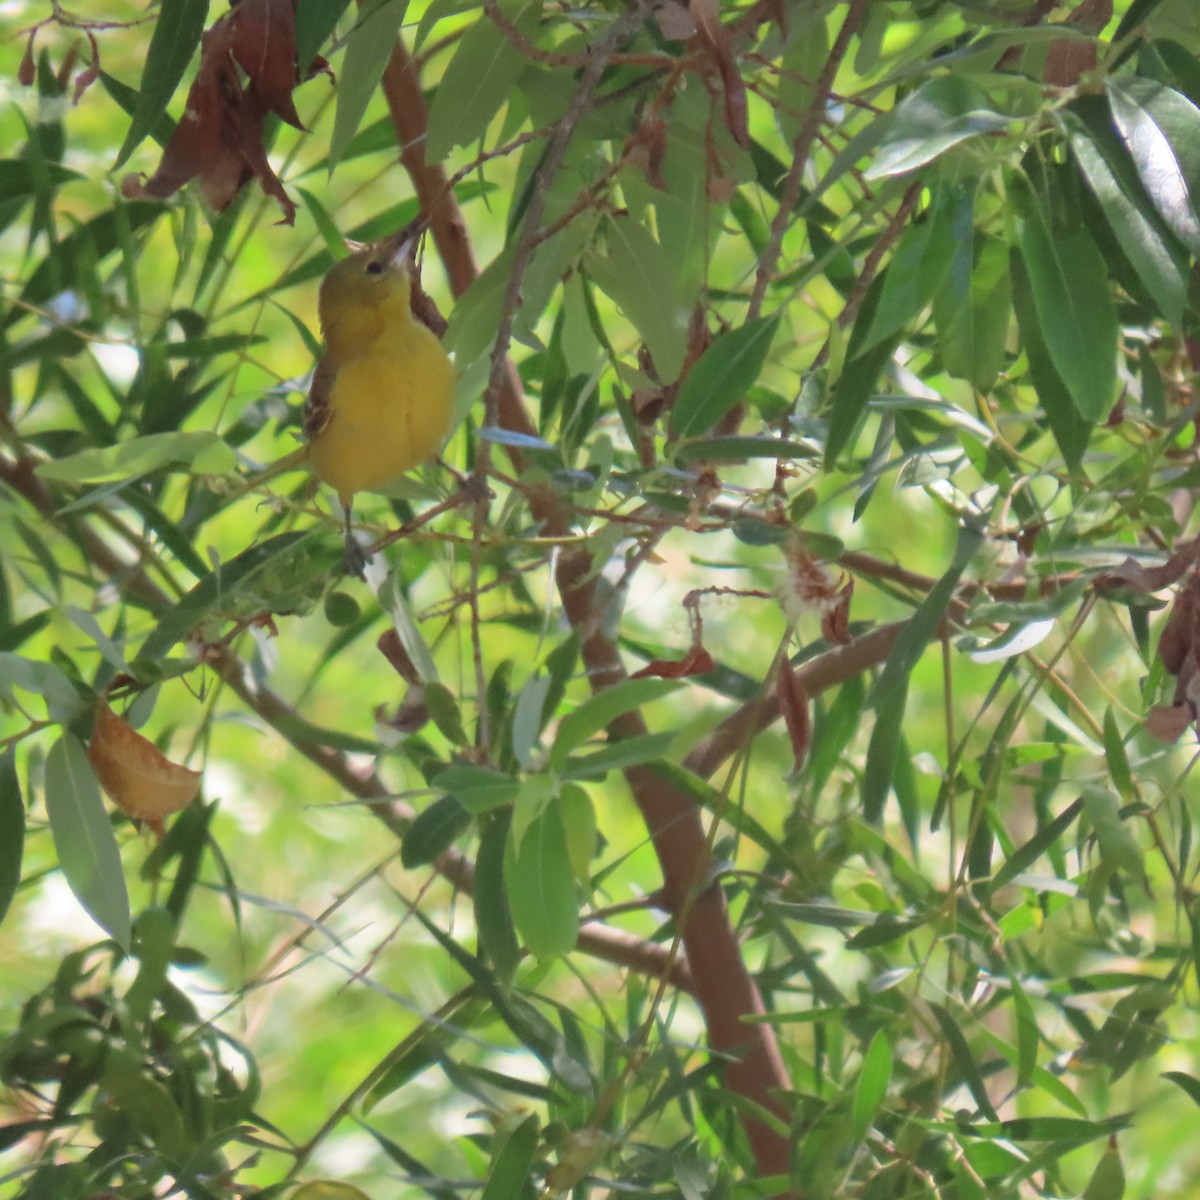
(392,648)
(647,150)
(1167,723)
(793,703)
(1132,576)
(27,71)
(835,621)
(717,40)
(262,38)
(1069,58)
(88,75)
(675,21)
(219,138)
(697,661)
(138,778)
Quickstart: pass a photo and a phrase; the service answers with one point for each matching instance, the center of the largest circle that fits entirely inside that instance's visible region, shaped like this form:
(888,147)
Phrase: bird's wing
(317,410)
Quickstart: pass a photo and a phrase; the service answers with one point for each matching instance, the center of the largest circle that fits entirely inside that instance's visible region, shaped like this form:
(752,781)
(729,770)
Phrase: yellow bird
(382,396)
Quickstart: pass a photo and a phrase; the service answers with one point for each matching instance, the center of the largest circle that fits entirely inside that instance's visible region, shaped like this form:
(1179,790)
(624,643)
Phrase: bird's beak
(400,249)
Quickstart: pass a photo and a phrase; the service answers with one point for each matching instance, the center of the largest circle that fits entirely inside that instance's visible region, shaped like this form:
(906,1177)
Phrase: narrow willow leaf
(972,315)
(1118,847)
(12,830)
(20,178)
(83,837)
(478,81)
(541,886)
(873,1080)
(1025,855)
(890,693)
(637,275)
(510,1175)
(369,45)
(923,256)
(1160,127)
(478,789)
(1161,269)
(174,40)
(197,453)
(493,918)
(722,376)
(1074,306)
(964,1060)
(935,118)
(596,712)
(1071,431)
(433,832)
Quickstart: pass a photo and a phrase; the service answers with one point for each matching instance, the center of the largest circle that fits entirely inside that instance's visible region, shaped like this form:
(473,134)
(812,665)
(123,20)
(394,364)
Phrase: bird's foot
(356,560)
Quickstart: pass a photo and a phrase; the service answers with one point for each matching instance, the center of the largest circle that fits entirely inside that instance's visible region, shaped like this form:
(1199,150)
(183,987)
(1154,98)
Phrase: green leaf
(1161,130)
(1189,1083)
(433,832)
(478,81)
(477,789)
(1152,253)
(20,178)
(618,755)
(1118,848)
(12,830)
(176,36)
(541,886)
(923,256)
(873,1080)
(1074,306)
(282,574)
(509,1177)
(889,696)
(1070,430)
(471,328)
(598,711)
(1028,1033)
(199,453)
(972,311)
(722,376)
(83,837)
(737,447)
(315,21)
(493,917)
(936,117)
(964,1060)
(579,824)
(369,45)
(637,276)
(63,701)
(1025,855)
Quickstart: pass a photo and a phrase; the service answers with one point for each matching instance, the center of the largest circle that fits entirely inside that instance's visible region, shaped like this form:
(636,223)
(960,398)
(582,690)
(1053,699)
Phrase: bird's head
(370,287)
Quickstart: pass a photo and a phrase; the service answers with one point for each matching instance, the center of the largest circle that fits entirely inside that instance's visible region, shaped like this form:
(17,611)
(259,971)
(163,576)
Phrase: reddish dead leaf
(1069,58)
(139,779)
(1167,723)
(27,71)
(647,149)
(675,21)
(718,42)
(88,75)
(835,621)
(1116,415)
(697,661)
(1131,576)
(793,703)
(219,138)
(392,648)
(1179,650)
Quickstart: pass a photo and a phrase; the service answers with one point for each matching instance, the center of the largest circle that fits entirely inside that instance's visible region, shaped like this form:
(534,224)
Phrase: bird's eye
(374,268)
